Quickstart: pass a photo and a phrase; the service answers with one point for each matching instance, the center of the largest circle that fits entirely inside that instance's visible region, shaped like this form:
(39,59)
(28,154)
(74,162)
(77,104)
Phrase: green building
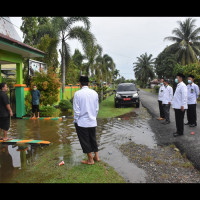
(12,51)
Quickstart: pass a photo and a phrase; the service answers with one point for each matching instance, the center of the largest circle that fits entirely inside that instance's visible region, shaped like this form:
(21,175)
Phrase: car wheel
(116,105)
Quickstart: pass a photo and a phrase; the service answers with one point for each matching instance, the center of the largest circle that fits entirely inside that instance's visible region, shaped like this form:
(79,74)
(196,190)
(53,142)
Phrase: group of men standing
(184,98)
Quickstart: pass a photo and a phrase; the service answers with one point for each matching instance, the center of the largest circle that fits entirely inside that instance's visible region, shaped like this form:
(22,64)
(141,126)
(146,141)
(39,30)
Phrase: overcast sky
(126,38)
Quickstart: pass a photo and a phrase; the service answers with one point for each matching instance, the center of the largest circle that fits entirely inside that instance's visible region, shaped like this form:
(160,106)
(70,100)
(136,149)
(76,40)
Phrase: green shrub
(48,84)
(49,111)
(156,88)
(64,105)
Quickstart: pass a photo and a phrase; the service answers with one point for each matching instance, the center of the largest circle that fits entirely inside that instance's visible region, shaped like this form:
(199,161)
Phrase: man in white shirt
(160,96)
(179,103)
(193,94)
(166,100)
(86,107)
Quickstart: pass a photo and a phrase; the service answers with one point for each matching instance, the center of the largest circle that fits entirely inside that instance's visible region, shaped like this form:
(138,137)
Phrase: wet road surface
(188,143)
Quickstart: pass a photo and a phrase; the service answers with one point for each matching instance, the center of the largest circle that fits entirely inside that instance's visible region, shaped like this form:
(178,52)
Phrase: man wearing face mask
(193,94)
(179,104)
(167,99)
(35,101)
(160,98)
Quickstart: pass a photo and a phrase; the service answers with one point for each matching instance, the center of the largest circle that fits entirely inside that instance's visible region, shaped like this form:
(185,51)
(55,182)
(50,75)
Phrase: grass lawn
(46,170)
(107,108)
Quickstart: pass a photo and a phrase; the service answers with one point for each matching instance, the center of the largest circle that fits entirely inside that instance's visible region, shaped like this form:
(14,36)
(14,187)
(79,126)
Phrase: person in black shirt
(5,111)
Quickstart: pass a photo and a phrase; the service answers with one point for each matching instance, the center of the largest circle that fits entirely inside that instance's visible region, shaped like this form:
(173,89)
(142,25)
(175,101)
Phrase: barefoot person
(86,107)
(35,101)
(5,112)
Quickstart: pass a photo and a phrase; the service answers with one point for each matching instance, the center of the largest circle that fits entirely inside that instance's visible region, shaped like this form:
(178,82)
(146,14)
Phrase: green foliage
(47,84)
(190,69)
(49,111)
(49,44)
(186,44)
(72,73)
(64,105)
(156,88)
(164,64)
(144,69)
(28,100)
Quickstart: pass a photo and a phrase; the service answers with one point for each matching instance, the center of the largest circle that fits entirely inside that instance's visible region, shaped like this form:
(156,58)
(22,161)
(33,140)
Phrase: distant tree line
(181,56)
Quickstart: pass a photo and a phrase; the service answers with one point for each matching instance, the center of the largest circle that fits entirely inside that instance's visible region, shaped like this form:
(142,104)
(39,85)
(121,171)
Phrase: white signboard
(36,66)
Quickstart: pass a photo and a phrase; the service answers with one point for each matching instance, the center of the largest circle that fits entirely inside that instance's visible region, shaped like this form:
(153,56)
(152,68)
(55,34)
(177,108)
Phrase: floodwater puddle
(111,133)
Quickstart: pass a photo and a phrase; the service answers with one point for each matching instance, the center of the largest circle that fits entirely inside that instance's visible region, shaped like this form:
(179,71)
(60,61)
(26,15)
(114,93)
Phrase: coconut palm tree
(144,68)
(65,30)
(186,44)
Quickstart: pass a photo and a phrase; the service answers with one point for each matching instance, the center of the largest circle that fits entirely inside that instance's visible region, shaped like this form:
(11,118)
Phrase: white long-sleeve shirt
(180,96)
(161,92)
(193,93)
(86,107)
(168,95)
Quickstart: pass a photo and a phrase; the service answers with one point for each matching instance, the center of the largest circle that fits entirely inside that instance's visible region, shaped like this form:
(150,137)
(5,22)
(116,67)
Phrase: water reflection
(111,133)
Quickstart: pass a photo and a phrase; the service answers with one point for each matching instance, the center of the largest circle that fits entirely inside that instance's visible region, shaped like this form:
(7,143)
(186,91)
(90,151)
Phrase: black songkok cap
(84,79)
(181,75)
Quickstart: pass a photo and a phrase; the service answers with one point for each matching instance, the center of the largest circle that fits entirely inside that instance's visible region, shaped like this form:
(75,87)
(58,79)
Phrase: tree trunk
(63,70)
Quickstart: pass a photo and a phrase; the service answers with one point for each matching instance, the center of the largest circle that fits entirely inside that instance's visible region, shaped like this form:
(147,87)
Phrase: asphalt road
(188,143)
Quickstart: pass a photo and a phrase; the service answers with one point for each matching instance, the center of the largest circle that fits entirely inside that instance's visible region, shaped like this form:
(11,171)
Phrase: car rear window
(126,88)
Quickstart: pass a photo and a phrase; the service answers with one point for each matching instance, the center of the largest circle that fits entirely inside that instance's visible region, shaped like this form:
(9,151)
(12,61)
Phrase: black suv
(127,94)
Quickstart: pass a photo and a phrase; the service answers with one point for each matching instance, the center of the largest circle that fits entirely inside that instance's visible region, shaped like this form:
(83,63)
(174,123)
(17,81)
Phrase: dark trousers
(87,138)
(162,114)
(166,108)
(179,116)
(192,114)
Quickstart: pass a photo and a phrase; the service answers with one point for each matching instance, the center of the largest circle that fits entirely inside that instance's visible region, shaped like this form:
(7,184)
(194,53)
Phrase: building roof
(10,41)
(7,29)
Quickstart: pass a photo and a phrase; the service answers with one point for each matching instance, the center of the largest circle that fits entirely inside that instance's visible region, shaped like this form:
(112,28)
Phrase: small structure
(154,82)
(12,51)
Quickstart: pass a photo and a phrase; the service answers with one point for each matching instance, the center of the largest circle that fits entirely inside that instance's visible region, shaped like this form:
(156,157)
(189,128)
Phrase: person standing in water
(86,107)
(35,101)
(5,112)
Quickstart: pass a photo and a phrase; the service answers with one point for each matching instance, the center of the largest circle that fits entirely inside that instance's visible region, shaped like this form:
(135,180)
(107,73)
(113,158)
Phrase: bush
(192,69)
(156,88)
(47,84)
(64,105)
(49,111)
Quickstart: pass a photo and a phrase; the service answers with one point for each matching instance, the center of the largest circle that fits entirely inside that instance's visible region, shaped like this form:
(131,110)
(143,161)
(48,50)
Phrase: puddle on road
(111,133)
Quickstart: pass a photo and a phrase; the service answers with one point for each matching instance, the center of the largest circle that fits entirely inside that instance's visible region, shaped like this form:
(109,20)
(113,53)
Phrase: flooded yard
(121,140)
(111,133)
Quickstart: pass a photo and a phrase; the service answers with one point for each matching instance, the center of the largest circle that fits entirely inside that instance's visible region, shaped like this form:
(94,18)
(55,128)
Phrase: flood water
(111,133)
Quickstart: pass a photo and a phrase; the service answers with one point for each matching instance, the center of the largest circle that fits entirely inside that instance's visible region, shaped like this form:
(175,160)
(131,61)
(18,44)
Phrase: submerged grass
(107,108)
(46,170)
